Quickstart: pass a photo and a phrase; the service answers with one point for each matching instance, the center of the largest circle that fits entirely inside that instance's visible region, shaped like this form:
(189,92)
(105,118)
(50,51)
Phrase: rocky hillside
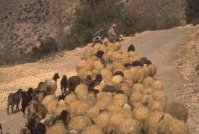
(25,22)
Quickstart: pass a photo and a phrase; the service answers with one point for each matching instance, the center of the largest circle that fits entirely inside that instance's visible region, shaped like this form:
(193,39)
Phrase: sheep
(116,80)
(93,129)
(93,112)
(99,54)
(35,109)
(140,113)
(57,128)
(145,61)
(126,88)
(155,106)
(131,48)
(48,99)
(138,87)
(69,99)
(81,91)
(64,84)
(103,120)
(170,125)
(153,122)
(14,99)
(158,85)
(79,108)
(65,117)
(112,89)
(135,97)
(78,123)
(146,99)
(49,86)
(148,81)
(152,69)
(119,99)
(40,129)
(118,73)
(130,126)
(73,81)
(115,120)
(159,95)
(26,98)
(178,110)
(136,64)
(58,110)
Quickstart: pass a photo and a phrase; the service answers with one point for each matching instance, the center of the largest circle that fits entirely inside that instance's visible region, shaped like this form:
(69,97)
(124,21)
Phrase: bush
(168,22)
(47,46)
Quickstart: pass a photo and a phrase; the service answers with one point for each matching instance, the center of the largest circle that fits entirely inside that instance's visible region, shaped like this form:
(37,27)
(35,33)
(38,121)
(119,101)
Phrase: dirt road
(159,46)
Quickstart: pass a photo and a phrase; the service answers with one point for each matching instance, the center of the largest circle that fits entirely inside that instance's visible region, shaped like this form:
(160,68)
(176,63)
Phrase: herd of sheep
(114,92)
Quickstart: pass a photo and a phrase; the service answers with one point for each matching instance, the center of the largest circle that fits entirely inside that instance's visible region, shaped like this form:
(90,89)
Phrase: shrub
(47,46)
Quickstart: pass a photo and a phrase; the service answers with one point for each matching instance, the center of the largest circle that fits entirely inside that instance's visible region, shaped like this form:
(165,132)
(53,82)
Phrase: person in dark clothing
(98,37)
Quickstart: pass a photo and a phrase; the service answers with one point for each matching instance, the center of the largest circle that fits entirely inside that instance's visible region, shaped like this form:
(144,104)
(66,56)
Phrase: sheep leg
(8,109)
(17,107)
(12,108)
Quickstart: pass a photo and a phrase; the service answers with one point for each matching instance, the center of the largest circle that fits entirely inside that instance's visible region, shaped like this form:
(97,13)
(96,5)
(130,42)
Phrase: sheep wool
(138,87)
(140,113)
(148,81)
(59,109)
(48,99)
(93,112)
(146,99)
(136,97)
(58,128)
(126,88)
(94,129)
(158,85)
(116,80)
(115,120)
(78,123)
(102,120)
(152,122)
(129,126)
(81,91)
(156,106)
(171,125)
(69,99)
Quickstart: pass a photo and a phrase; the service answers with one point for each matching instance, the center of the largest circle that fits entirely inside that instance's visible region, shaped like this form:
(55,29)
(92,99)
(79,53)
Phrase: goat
(73,81)
(64,84)
(26,98)
(14,99)
(1,130)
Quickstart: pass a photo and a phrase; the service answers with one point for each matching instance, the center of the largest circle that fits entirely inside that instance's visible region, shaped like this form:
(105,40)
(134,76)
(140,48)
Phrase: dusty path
(160,46)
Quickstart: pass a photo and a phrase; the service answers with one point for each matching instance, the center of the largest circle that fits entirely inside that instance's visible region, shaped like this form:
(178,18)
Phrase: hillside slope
(25,22)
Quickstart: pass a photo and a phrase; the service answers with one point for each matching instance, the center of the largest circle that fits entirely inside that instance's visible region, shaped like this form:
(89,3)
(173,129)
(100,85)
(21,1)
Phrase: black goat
(131,48)
(64,84)
(26,99)
(14,99)
(73,81)
(64,117)
(118,73)
(1,130)
(112,89)
(136,63)
(146,61)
